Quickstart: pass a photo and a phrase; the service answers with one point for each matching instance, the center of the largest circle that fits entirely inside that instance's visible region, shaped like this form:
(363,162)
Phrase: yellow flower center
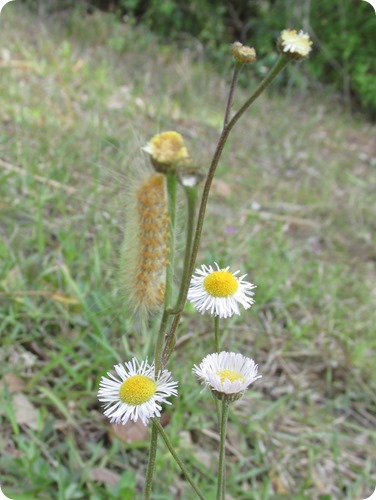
(221,284)
(230,375)
(137,390)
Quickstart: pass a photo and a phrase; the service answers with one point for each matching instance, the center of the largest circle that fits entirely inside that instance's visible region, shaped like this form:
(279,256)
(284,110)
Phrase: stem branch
(157,425)
(281,62)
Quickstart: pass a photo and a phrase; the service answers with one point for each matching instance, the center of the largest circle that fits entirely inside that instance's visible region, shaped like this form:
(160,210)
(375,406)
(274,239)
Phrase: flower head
(166,150)
(296,45)
(243,54)
(219,291)
(138,394)
(227,374)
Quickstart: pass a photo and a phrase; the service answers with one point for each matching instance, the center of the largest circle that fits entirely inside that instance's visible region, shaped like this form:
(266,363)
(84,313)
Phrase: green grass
(293,205)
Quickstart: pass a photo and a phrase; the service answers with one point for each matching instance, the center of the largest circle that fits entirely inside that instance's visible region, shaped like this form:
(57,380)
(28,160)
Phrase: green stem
(171,190)
(216,346)
(222,451)
(191,194)
(281,62)
(159,342)
(151,463)
(157,425)
(216,333)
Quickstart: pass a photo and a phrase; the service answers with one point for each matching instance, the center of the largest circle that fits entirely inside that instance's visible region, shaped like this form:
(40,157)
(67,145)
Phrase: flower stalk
(151,463)
(157,425)
(222,450)
(216,333)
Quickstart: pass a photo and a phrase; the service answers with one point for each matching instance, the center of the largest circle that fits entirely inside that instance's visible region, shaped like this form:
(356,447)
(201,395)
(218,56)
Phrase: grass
(293,204)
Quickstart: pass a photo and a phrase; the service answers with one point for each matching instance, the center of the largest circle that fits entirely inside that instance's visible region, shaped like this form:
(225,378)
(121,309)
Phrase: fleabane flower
(138,394)
(166,151)
(296,45)
(219,291)
(227,374)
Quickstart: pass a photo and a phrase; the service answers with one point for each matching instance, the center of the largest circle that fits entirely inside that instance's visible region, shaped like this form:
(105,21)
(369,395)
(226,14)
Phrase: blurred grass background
(293,205)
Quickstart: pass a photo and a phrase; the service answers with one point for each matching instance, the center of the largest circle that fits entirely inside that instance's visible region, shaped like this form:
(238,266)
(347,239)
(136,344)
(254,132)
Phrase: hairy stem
(216,333)
(171,190)
(151,463)
(221,466)
(191,194)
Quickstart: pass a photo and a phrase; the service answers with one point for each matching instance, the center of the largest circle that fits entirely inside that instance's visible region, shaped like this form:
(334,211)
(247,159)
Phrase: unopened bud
(242,53)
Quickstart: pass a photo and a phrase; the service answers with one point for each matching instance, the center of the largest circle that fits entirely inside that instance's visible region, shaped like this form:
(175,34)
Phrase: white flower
(138,393)
(298,45)
(219,291)
(228,373)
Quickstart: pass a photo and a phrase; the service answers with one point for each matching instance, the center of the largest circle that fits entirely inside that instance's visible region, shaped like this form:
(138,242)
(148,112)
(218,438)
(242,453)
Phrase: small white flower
(228,373)
(138,393)
(219,291)
(296,44)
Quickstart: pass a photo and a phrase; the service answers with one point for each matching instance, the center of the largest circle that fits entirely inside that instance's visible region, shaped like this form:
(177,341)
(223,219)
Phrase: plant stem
(171,190)
(222,449)
(279,65)
(281,62)
(157,426)
(216,333)
(151,463)
(159,342)
(191,194)
(237,68)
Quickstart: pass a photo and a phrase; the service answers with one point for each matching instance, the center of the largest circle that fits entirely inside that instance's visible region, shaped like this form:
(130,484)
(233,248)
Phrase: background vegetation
(293,204)
(342,30)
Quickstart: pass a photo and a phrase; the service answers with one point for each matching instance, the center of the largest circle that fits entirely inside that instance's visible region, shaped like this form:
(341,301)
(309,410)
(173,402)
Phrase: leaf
(24,411)
(105,476)
(65,299)
(130,432)
(13,383)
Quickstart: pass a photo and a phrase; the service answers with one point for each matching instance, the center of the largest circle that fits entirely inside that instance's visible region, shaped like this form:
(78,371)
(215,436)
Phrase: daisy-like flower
(296,45)
(166,150)
(219,291)
(228,374)
(138,394)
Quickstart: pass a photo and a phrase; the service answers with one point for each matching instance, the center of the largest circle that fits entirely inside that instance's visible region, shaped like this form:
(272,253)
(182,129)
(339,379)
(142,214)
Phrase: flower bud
(243,54)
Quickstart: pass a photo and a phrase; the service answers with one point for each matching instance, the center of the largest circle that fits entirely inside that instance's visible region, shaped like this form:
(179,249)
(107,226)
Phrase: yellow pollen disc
(137,390)
(230,375)
(221,284)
